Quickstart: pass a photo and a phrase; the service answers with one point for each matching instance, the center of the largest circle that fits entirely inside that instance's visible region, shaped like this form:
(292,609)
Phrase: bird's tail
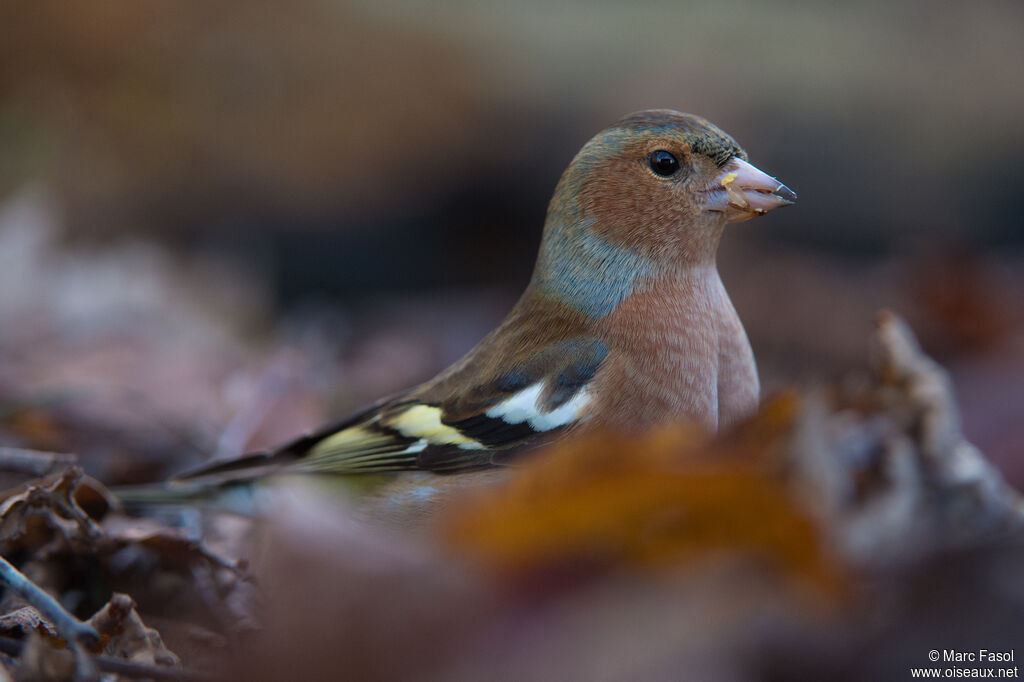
(237,485)
(233,483)
(240,497)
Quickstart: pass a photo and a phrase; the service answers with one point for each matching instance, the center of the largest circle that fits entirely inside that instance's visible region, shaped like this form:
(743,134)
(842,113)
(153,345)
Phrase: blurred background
(223,223)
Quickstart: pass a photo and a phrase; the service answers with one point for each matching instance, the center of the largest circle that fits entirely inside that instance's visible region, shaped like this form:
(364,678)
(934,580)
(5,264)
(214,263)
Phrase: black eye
(663,163)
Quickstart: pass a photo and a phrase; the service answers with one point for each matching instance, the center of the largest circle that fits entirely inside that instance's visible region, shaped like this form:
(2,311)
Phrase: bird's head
(650,192)
(666,181)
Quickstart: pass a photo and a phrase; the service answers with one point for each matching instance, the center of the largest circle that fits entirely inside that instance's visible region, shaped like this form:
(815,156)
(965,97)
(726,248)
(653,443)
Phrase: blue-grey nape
(586,272)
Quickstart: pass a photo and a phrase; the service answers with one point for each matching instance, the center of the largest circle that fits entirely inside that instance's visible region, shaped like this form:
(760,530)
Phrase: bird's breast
(666,346)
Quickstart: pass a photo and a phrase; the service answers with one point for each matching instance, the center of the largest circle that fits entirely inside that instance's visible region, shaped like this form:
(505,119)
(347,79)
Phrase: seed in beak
(737,199)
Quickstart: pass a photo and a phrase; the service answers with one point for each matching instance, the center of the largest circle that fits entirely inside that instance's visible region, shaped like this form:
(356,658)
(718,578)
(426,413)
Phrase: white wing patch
(380,442)
(522,407)
(562,415)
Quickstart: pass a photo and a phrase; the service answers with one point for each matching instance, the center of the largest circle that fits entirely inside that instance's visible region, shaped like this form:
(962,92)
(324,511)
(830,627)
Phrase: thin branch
(67,626)
(13,647)
(33,462)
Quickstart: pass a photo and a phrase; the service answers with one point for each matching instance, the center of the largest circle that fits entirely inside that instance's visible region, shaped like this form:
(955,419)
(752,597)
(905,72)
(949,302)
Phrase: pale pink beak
(743,192)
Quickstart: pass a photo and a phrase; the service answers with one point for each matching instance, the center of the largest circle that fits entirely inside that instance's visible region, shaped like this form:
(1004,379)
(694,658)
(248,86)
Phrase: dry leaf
(126,636)
(658,500)
(20,622)
(51,501)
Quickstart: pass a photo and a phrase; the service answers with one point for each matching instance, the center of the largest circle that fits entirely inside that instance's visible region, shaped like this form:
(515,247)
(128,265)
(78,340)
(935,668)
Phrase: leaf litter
(603,555)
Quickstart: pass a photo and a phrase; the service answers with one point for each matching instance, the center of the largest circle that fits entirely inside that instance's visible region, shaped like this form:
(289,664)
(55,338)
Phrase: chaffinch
(625,322)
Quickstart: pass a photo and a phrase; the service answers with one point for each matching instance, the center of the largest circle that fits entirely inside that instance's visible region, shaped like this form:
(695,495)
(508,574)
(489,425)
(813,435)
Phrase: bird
(625,323)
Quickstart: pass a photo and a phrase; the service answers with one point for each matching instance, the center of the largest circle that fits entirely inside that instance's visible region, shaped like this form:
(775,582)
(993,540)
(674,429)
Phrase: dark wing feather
(437,429)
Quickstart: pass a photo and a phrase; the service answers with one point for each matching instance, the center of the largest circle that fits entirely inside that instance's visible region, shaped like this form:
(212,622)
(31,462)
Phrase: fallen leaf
(126,636)
(658,500)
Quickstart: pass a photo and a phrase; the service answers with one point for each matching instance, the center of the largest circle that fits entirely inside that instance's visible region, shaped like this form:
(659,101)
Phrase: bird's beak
(743,192)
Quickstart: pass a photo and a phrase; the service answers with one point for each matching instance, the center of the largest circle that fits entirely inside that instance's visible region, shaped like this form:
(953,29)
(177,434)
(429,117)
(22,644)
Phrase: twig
(67,626)
(13,647)
(33,462)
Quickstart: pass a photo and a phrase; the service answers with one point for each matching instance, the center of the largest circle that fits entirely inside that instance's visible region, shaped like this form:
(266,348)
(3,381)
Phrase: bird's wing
(458,421)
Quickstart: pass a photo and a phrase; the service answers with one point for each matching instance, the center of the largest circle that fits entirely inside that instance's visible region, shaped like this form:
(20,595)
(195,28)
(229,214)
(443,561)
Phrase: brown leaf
(658,500)
(20,622)
(171,544)
(52,501)
(126,636)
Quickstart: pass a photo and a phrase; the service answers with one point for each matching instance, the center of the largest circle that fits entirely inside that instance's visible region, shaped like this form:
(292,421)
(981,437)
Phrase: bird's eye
(663,163)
